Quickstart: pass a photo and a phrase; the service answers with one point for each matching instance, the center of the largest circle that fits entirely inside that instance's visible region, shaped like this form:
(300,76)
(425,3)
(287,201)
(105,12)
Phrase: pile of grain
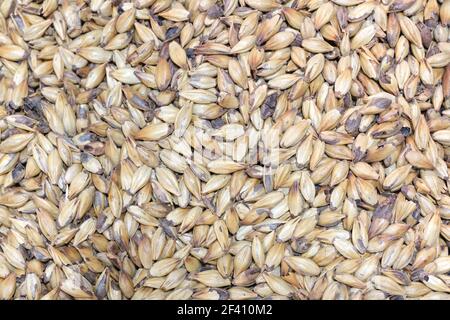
(235,149)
